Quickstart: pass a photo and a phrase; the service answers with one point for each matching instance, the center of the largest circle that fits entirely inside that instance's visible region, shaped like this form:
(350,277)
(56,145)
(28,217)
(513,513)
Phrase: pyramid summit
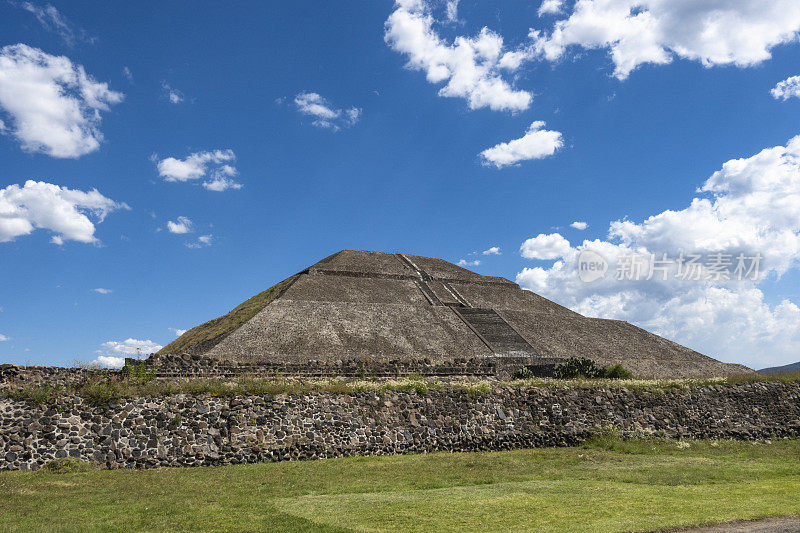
(378,306)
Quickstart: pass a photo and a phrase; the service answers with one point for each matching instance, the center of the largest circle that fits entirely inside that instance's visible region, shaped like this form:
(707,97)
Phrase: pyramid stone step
(495,330)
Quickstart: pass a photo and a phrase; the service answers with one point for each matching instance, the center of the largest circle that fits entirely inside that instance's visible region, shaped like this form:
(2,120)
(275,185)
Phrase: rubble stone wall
(183,366)
(185,430)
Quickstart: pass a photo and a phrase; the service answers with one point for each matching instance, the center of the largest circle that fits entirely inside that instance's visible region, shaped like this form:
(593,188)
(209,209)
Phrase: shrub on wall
(100,393)
(138,372)
(524,373)
(583,367)
(577,367)
(617,372)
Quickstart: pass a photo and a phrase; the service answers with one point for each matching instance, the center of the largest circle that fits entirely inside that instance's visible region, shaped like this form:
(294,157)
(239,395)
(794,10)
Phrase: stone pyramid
(359,305)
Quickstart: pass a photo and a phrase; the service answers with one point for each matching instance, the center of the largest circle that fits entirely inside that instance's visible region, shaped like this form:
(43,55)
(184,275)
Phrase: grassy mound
(207,335)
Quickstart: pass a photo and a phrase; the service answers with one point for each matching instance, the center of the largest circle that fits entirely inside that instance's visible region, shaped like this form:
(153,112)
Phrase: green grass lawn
(607,485)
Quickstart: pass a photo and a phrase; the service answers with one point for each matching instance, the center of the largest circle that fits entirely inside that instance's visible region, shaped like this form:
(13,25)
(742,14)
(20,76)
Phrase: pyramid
(361,305)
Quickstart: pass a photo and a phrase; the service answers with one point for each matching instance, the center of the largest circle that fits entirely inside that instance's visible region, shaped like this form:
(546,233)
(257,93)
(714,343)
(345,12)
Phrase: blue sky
(332,121)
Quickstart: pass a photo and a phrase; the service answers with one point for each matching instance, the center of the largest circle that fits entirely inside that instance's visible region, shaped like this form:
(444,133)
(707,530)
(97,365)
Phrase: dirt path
(782,524)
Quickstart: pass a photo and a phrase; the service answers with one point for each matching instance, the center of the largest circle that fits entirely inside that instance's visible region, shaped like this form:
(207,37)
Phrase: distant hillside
(793,367)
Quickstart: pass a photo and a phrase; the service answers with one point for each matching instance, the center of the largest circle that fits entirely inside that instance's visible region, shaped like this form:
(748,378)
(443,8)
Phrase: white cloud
(127,73)
(465,263)
(65,212)
(451,10)
(54,106)
(221,179)
(4,338)
(552,246)
(754,206)
(713,32)
(471,67)
(52,20)
(221,183)
(550,7)
(202,241)
(194,166)
(108,361)
(129,347)
(113,353)
(750,206)
(214,166)
(788,88)
(535,144)
(101,290)
(579,225)
(494,250)
(173,95)
(177,332)
(326,115)
(181,226)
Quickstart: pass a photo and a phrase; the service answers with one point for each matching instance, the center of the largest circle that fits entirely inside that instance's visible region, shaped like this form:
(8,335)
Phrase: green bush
(67,465)
(36,394)
(577,367)
(101,392)
(582,367)
(524,373)
(138,372)
(617,372)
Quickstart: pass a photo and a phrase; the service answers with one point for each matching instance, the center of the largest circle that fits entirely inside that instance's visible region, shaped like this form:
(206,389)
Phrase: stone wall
(172,366)
(187,430)
(195,366)
(55,376)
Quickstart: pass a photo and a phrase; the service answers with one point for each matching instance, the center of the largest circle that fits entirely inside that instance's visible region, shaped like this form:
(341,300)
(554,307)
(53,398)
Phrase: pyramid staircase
(494,330)
(490,327)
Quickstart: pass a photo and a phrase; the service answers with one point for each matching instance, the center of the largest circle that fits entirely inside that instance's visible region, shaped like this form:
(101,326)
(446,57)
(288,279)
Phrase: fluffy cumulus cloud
(545,246)
(472,68)
(4,338)
(177,332)
(686,285)
(52,105)
(101,290)
(579,225)
(326,115)
(550,7)
(714,32)
(180,226)
(788,88)
(67,213)
(494,250)
(214,167)
(465,263)
(535,144)
(113,353)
